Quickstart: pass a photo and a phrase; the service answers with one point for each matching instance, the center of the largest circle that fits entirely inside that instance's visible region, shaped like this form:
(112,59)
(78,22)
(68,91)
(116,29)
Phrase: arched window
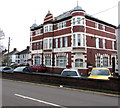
(37,60)
(79,63)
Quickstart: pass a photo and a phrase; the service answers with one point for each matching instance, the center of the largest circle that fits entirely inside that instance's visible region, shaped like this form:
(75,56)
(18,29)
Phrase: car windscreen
(7,68)
(69,73)
(100,72)
(19,69)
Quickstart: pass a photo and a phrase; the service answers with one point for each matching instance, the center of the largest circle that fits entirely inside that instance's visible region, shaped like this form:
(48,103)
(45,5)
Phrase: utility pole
(8,51)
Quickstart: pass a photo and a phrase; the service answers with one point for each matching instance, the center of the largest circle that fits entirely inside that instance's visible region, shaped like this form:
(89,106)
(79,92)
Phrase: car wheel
(37,70)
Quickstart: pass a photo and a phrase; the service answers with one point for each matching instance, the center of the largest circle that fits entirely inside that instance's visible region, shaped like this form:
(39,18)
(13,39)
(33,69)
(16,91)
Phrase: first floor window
(66,41)
(79,63)
(37,60)
(98,61)
(79,39)
(74,40)
(61,61)
(56,43)
(105,61)
(48,61)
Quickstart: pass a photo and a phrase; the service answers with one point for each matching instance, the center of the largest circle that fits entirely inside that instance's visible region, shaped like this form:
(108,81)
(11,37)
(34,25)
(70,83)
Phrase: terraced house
(73,38)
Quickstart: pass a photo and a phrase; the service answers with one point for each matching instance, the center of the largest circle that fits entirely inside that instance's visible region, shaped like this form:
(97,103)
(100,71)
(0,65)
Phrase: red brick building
(73,38)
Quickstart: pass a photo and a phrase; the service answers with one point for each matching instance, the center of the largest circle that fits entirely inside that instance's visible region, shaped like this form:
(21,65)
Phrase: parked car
(14,65)
(70,73)
(7,69)
(38,68)
(23,69)
(100,73)
(1,68)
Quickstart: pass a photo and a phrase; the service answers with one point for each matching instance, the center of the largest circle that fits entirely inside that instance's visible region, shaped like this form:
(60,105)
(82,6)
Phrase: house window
(45,43)
(48,60)
(105,61)
(97,42)
(50,28)
(37,60)
(79,63)
(113,45)
(50,43)
(96,25)
(73,21)
(103,27)
(61,25)
(104,43)
(66,41)
(98,61)
(79,39)
(78,20)
(61,42)
(61,61)
(56,43)
(74,40)
(84,40)
(41,45)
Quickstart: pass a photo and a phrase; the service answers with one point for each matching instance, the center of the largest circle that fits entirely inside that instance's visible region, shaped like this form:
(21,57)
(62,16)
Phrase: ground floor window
(79,63)
(105,61)
(98,61)
(48,60)
(37,60)
(61,61)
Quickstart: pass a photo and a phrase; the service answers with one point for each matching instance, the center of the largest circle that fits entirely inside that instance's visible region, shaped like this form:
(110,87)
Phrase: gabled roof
(26,51)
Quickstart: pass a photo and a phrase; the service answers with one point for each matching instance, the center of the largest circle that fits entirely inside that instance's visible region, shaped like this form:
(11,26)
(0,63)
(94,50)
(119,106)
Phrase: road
(17,93)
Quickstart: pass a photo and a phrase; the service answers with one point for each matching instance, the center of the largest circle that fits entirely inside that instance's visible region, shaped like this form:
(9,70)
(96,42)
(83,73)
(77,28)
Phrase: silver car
(70,73)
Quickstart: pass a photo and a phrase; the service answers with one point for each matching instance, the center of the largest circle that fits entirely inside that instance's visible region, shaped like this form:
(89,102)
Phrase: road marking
(86,91)
(37,100)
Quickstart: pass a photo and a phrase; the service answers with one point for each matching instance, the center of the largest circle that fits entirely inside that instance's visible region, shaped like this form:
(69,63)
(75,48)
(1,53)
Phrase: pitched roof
(26,51)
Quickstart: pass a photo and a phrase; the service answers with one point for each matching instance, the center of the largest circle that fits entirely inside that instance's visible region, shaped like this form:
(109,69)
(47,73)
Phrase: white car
(70,73)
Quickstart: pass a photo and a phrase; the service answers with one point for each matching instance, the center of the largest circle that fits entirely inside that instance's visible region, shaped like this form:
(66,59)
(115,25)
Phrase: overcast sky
(16,16)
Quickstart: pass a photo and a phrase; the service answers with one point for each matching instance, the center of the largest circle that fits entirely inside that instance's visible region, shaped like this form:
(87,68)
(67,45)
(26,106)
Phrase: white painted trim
(96,36)
(99,23)
(101,49)
(101,30)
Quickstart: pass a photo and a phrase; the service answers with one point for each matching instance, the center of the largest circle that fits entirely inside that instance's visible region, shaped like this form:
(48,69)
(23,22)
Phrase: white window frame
(98,61)
(61,42)
(56,43)
(79,62)
(104,43)
(48,61)
(61,61)
(66,41)
(97,43)
(105,62)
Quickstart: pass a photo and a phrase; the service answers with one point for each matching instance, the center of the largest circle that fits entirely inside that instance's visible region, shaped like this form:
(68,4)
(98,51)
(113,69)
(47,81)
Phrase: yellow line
(87,91)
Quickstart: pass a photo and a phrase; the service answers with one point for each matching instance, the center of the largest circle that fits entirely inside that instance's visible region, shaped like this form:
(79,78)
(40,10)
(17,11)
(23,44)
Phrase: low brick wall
(112,84)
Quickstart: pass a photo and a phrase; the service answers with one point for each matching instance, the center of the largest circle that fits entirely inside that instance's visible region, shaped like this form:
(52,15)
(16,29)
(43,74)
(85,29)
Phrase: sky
(17,16)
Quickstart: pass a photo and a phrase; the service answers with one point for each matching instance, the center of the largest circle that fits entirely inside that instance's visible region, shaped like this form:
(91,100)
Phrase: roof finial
(35,21)
(77,3)
(49,11)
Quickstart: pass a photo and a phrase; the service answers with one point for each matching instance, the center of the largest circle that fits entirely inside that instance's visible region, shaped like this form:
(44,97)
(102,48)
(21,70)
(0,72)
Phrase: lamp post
(8,51)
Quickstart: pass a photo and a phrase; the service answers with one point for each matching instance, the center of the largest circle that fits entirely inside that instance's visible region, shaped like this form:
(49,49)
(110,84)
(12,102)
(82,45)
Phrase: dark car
(23,69)
(38,68)
(7,70)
